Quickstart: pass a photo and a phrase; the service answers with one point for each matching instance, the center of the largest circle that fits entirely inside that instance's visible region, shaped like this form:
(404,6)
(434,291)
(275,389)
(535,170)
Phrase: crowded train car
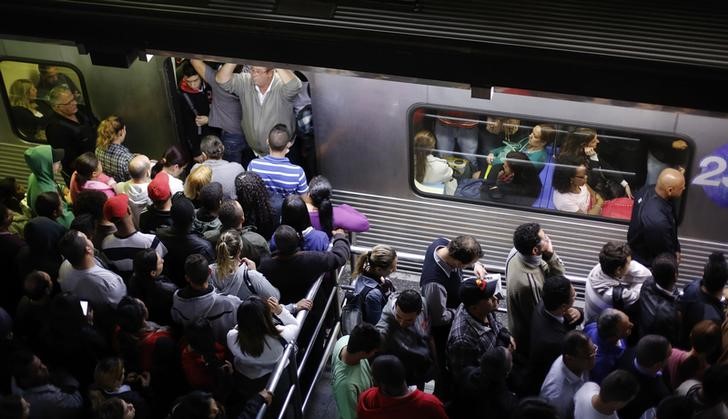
(180,230)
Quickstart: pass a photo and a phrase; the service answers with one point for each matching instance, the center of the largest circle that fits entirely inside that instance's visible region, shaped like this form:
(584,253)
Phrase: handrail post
(296,387)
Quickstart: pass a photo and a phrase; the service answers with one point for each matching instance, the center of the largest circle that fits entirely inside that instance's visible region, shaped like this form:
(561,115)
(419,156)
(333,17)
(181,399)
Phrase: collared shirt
(115,161)
(607,356)
(560,319)
(442,264)
(560,386)
(470,338)
(261,95)
(645,371)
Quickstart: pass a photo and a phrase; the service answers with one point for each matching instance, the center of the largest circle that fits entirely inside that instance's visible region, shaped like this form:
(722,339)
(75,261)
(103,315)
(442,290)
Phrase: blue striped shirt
(280,175)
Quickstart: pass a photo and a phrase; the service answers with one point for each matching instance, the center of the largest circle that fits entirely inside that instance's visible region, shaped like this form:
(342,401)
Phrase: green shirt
(348,381)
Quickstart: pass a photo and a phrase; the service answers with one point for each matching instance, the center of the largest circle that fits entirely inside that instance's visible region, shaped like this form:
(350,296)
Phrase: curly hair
(253,197)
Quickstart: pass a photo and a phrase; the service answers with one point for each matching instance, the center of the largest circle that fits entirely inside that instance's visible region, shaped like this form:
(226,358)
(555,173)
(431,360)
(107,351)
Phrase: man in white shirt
(569,372)
(594,402)
(615,282)
(81,276)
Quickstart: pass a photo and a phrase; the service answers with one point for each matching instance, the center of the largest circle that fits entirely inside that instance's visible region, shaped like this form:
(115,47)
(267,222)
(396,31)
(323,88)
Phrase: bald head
(670,184)
(139,167)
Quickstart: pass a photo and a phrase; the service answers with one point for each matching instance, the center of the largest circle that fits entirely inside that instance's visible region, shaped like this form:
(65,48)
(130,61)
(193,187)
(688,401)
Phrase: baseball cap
(116,207)
(475,289)
(158,188)
(57,154)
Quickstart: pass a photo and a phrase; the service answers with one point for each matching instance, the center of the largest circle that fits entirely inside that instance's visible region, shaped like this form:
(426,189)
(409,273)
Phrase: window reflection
(27,86)
(536,163)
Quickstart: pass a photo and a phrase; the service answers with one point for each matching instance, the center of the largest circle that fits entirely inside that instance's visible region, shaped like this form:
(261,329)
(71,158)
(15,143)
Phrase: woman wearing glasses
(572,194)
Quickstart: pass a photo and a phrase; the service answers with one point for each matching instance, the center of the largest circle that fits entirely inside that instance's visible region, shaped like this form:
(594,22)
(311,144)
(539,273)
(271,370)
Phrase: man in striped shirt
(281,177)
(126,242)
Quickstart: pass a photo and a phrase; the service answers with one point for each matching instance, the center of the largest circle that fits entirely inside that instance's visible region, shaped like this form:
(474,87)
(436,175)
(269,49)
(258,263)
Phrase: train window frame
(530,121)
(71,71)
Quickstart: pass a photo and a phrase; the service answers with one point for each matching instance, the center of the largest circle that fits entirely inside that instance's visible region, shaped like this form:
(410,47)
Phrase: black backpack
(352,313)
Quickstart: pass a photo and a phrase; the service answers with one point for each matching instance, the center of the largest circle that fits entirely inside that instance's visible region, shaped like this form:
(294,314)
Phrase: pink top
(345,217)
(677,357)
(102,183)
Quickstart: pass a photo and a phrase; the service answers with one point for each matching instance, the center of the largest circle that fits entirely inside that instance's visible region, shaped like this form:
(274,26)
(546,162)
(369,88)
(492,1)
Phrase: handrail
(412,257)
(288,357)
(288,361)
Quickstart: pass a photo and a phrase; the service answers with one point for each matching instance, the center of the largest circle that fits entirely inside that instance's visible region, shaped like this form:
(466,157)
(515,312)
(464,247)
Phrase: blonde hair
(108,377)
(108,130)
(425,141)
(198,178)
(228,251)
(377,262)
(19,94)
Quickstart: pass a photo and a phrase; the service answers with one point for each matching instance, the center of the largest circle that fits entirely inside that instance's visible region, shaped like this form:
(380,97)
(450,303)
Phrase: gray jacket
(234,284)
(258,119)
(220,310)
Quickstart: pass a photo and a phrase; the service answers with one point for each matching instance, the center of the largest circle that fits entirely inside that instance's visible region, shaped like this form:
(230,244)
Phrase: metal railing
(578,282)
(290,364)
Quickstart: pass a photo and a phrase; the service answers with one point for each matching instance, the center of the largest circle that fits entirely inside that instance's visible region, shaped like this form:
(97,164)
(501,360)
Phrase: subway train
(365,126)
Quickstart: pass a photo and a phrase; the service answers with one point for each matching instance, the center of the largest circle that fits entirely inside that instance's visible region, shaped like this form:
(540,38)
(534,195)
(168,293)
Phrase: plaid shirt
(115,161)
(470,339)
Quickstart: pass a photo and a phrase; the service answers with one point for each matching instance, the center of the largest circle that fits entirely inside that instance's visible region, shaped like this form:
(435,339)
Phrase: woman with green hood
(44,162)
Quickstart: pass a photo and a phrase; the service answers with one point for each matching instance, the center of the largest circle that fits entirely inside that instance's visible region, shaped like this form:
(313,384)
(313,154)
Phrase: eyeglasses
(67,103)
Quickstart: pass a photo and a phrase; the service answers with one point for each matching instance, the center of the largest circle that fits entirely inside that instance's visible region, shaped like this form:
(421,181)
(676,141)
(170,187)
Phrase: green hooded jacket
(40,161)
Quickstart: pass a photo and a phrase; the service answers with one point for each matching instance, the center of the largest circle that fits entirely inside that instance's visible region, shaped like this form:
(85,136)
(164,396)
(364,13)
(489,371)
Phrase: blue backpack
(469,188)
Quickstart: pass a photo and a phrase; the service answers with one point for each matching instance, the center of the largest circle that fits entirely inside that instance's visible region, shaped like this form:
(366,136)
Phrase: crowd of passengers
(142,289)
(166,287)
(640,348)
(497,160)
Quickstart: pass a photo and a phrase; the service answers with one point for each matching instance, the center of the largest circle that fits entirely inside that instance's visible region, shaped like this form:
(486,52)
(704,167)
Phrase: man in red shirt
(391,398)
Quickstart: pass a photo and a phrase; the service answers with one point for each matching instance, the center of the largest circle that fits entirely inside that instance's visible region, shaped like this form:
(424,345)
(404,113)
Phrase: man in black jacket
(658,307)
(181,241)
(645,362)
(293,271)
(549,326)
(653,228)
(70,128)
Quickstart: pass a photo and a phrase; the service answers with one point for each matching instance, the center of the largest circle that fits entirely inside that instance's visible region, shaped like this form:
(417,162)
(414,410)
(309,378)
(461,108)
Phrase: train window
(539,164)
(28,86)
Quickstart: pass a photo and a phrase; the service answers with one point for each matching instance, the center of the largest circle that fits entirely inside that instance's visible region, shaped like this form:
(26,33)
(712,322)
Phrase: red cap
(116,207)
(158,188)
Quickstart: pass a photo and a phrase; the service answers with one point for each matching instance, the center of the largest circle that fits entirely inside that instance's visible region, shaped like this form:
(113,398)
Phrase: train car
(365,125)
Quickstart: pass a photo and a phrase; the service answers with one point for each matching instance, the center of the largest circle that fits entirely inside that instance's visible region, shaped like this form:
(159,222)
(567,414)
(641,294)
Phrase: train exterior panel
(364,135)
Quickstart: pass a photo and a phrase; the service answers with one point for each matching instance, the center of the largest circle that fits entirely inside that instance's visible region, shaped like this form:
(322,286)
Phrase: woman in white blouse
(431,171)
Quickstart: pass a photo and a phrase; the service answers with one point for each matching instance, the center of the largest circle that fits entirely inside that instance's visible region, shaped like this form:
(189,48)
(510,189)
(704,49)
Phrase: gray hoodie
(219,310)
(137,192)
(234,284)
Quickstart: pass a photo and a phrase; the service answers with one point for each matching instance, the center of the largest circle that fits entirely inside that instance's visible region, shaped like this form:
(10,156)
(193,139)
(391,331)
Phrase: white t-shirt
(96,285)
(583,408)
(572,202)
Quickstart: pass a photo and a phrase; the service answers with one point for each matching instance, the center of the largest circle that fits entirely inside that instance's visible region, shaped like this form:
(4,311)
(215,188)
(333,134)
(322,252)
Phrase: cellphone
(84,307)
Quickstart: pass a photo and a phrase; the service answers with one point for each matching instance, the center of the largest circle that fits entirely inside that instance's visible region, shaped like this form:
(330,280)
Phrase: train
(364,129)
